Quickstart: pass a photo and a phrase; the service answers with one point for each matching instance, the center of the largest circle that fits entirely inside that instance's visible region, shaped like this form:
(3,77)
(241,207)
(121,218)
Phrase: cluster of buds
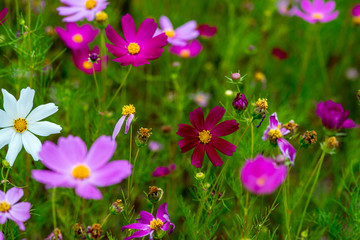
(79,231)
(143,136)
(240,103)
(308,138)
(95,231)
(155,194)
(116,207)
(291,126)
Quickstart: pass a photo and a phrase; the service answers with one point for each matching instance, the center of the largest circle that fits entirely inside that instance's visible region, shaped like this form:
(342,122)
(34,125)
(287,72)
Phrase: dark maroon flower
(3,15)
(204,136)
(206,30)
(279,53)
(164,170)
(240,102)
(333,115)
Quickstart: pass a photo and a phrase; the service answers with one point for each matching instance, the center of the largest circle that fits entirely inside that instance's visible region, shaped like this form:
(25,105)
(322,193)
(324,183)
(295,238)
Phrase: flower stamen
(81,172)
(156,224)
(87,65)
(78,38)
(274,134)
(318,16)
(170,33)
(205,136)
(185,53)
(20,125)
(133,48)
(90,4)
(4,206)
(128,109)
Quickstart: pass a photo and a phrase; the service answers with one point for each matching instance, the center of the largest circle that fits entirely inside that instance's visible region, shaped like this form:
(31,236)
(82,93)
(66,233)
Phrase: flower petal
(165,23)
(197,157)
(128,27)
(162,213)
(197,119)
(186,130)
(73,148)
(274,122)
(44,128)
(13,195)
(114,37)
(138,226)
(6,135)
(146,30)
(213,155)
(118,126)
(25,102)
(225,128)
(223,146)
(21,211)
(50,178)
(88,191)
(187,144)
(100,152)
(348,123)
(55,158)
(287,149)
(140,233)
(112,173)
(214,117)
(41,112)
(128,122)
(31,144)
(10,104)
(15,146)
(145,217)
(5,119)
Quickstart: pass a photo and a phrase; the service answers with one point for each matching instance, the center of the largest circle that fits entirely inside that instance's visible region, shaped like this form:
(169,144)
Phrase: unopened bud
(261,107)
(332,142)
(280,159)
(200,176)
(94,57)
(291,126)
(308,138)
(207,185)
(143,136)
(166,129)
(240,103)
(79,232)
(101,17)
(116,207)
(155,194)
(235,76)
(55,235)
(6,164)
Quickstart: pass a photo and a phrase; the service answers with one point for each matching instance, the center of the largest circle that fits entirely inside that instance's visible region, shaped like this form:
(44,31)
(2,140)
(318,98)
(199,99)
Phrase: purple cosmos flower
(287,7)
(179,36)
(81,60)
(129,112)
(3,15)
(155,146)
(10,209)
(138,47)
(355,13)
(275,133)
(149,225)
(206,30)
(2,236)
(262,176)
(190,50)
(71,166)
(240,103)
(317,11)
(54,235)
(201,98)
(333,115)
(76,37)
(204,136)
(164,171)
(80,9)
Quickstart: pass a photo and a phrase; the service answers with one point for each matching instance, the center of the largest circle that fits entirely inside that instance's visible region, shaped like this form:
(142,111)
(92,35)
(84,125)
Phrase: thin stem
(245,213)
(6,177)
(133,171)
(252,139)
(129,179)
(242,135)
(105,219)
(53,204)
(311,192)
(30,47)
(286,215)
(96,83)
(103,62)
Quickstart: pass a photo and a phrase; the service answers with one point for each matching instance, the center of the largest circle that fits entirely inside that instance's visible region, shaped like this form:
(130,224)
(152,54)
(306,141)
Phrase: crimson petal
(214,117)
(213,155)
(197,119)
(223,146)
(225,128)
(187,144)
(187,131)
(198,155)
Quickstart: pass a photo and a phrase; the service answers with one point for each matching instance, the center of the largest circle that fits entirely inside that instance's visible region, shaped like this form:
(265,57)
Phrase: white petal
(5,136)
(9,104)
(31,144)
(44,128)
(14,148)
(25,102)
(5,119)
(42,112)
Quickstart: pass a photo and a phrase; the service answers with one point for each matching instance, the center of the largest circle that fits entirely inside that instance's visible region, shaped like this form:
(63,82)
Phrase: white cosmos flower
(19,124)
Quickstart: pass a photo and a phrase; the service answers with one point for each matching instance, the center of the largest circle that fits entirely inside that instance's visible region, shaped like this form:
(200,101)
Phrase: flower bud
(291,126)
(101,17)
(235,76)
(5,163)
(95,231)
(207,185)
(308,138)
(200,176)
(55,235)
(94,57)
(332,143)
(116,207)
(155,194)
(79,232)
(143,136)
(261,107)
(280,159)
(260,77)
(166,129)
(228,93)
(240,102)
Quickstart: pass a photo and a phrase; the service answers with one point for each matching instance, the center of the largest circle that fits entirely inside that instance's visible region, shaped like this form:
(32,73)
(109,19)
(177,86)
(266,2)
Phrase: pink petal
(146,30)
(73,147)
(114,37)
(13,195)
(128,122)
(20,211)
(50,178)
(128,27)
(165,23)
(112,173)
(223,146)
(57,159)
(274,122)
(306,6)
(348,123)
(116,51)
(155,42)
(88,191)
(100,152)
(145,217)
(118,127)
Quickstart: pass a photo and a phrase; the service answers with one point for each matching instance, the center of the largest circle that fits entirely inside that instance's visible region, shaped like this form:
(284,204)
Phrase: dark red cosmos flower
(206,30)
(3,15)
(204,136)
(279,53)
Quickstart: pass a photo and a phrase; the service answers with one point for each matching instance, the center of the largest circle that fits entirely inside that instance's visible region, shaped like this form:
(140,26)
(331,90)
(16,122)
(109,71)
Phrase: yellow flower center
(274,134)
(156,224)
(101,16)
(260,77)
(356,20)
(20,125)
(318,16)
(133,48)
(81,172)
(260,181)
(90,4)
(205,136)
(185,53)
(170,33)
(4,206)
(87,65)
(128,109)
(78,38)
(262,103)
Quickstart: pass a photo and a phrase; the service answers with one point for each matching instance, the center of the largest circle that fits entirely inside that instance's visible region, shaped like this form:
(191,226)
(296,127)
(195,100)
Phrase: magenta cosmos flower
(77,10)
(333,115)
(10,209)
(149,225)
(163,171)
(261,175)
(206,30)
(138,47)
(188,51)
(287,7)
(317,11)
(275,133)
(71,166)
(204,136)
(179,36)
(355,13)
(3,15)
(76,37)
(81,60)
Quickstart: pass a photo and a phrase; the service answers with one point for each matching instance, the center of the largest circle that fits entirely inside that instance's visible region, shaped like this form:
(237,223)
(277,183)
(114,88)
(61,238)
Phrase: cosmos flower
(179,36)
(355,13)
(76,37)
(201,98)
(55,235)
(287,7)
(19,124)
(240,103)
(190,50)
(317,11)
(81,60)
(155,146)
(275,133)
(138,47)
(10,209)
(164,170)
(150,225)
(206,30)
(204,136)
(129,112)
(71,166)
(279,53)
(3,15)
(80,9)
(333,115)
(262,176)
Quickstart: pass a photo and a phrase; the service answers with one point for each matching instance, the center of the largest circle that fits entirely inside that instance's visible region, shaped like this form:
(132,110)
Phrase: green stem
(30,47)
(245,213)
(252,139)
(129,179)
(311,192)
(6,177)
(96,84)
(105,220)
(53,207)
(286,214)
(133,170)
(103,62)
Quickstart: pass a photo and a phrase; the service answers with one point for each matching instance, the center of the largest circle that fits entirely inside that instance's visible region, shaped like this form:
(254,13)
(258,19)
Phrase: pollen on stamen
(205,136)
(156,224)
(170,33)
(318,16)
(133,48)
(128,109)
(78,38)
(81,172)
(4,206)
(20,125)
(87,65)
(90,4)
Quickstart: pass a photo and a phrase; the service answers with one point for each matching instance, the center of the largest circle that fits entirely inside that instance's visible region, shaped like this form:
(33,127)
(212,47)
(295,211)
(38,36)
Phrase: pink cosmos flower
(317,11)
(179,36)
(71,166)
(164,171)
(275,133)
(10,209)
(190,50)
(81,60)
(3,15)
(287,7)
(138,47)
(76,37)
(355,13)
(201,98)
(155,146)
(262,176)
(206,30)
(149,225)
(204,136)
(77,10)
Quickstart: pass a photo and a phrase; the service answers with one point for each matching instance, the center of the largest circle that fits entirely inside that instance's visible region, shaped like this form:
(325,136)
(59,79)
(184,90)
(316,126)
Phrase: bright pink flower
(77,10)
(71,166)
(206,30)
(3,15)
(138,47)
(188,51)
(164,171)
(76,37)
(204,136)
(10,209)
(317,11)
(81,60)
(356,11)
(262,176)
